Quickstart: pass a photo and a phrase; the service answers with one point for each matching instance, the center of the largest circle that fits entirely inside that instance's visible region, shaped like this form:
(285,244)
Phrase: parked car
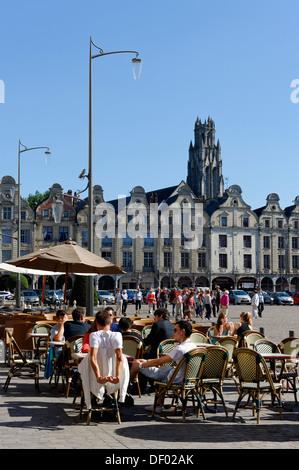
(30,297)
(105,296)
(53,296)
(282,298)
(268,298)
(131,294)
(4,294)
(237,297)
(296,298)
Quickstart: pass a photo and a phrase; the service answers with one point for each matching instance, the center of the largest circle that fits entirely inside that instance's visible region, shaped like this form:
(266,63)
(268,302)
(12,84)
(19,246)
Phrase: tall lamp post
(22,148)
(136,72)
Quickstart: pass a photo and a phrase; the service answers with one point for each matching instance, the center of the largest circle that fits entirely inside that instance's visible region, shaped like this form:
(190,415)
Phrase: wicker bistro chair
(18,362)
(264,346)
(290,373)
(199,338)
(166,346)
(41,344)
(133,347)
(70,365)
(214,371)
(255,381)
(146,331)
(249,338)
(230,343)
(180,392)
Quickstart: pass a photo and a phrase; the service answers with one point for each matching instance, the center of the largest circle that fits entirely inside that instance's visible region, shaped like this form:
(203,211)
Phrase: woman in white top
(125,302)
(208,304)
(138,301)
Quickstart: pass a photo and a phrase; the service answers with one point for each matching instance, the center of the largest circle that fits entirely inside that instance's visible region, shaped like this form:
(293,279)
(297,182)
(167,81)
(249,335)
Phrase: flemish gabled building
(241,247)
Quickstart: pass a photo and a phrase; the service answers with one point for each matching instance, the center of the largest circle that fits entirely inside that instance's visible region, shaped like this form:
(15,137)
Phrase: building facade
(239,247)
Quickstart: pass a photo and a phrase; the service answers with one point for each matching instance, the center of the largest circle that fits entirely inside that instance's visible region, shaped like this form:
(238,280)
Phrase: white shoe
(159,408)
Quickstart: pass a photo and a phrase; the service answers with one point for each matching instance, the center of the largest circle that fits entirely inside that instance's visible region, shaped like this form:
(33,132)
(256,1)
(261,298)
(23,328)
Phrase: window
(148,260)
(267,223)
(185,260)
(281,242)
(6,213)
(247,241)
(127,259)
(223,241)
(65,214)
(222,260)
(106,241)
(6,236)
(148,241)
(6,255)
(167,241)
(266,261)
(295,243)
(201,260)
(247,262)
(281,261)
(84,239)
(279,223)
(266,242)
(46,212)
(23,215)
(223,221)
(25,236)
(296,224)
(295,262)
(245,222)
(167,259)
(127,241)
(63,234)
(106,255)
(48,234)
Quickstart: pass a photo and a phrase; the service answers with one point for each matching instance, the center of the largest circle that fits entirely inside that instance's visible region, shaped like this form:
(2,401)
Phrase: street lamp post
(136,72)
(22,148)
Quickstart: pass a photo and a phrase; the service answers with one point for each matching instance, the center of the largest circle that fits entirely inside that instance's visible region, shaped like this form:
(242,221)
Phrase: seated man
(114,325)
(125,325)
(152,368)
(104,369)
(78,326)
(162,329)
(57,331)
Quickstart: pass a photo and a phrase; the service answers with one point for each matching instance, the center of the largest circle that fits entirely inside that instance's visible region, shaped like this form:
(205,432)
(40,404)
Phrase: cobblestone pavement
(48,420)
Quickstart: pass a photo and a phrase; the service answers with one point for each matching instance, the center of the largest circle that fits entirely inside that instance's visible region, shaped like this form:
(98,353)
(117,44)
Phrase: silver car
(105,296)
(30,297)
(238,297)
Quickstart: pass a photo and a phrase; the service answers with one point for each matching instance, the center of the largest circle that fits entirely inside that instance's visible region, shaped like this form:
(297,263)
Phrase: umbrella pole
(43,294)
(65,286)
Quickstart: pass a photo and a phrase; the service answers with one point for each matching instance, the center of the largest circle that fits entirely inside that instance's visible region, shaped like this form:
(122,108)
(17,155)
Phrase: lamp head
(136,62)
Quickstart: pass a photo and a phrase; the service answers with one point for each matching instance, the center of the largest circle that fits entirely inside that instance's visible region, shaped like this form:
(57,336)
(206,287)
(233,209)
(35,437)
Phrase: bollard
(291,334)
(262,331)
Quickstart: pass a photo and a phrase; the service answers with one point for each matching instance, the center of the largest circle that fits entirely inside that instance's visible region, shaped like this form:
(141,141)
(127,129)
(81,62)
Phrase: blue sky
(231,60)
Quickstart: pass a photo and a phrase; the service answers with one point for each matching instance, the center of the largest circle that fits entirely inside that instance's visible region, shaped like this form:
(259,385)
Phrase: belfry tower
(205,164)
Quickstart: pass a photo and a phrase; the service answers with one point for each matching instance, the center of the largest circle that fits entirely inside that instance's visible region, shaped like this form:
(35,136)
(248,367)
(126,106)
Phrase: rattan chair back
(132,346)
(199,338)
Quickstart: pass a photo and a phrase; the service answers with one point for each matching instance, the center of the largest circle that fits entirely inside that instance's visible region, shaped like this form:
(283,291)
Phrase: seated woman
(245,324)
(85,346)
(222,327)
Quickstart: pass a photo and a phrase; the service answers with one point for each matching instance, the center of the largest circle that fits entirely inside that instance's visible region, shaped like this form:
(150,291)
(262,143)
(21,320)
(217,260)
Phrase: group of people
(104,335)
(121,302)
(189,302)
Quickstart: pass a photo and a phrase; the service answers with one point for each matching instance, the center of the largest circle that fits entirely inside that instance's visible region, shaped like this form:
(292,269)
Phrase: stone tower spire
(205,164)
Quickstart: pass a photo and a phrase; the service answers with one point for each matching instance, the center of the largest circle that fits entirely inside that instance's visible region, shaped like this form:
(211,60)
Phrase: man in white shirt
(151,369)
(119,302)
(255,303)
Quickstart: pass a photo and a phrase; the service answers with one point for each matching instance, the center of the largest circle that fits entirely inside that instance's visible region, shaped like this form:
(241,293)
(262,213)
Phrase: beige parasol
(69,258)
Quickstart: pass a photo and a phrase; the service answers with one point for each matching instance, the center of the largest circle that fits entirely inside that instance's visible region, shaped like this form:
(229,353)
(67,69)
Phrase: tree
(34,199)
(11,282)
(79,292)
